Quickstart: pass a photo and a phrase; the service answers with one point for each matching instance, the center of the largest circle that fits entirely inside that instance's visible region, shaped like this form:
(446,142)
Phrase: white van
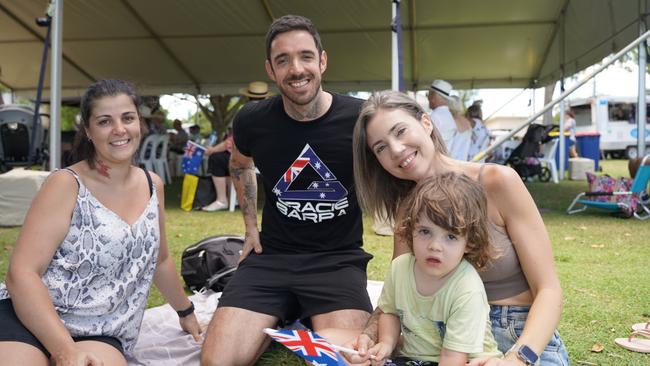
(615,119)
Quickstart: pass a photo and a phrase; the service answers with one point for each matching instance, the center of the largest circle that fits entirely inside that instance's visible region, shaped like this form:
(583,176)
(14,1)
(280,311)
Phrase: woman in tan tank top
(395,147)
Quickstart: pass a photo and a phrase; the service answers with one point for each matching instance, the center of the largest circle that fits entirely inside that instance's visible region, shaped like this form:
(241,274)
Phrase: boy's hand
(379,353)
(361,344)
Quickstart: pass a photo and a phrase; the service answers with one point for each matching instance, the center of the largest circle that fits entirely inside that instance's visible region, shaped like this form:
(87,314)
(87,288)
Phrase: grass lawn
(602,262)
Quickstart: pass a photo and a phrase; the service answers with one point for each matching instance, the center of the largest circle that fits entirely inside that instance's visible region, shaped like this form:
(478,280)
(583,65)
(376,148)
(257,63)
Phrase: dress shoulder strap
(74,174)
(149,181)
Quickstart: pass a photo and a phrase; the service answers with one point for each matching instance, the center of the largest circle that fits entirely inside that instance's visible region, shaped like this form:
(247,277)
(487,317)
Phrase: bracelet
(186,312)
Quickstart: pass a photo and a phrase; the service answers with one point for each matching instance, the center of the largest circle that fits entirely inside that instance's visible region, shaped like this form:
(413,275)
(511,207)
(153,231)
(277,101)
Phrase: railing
(557,100)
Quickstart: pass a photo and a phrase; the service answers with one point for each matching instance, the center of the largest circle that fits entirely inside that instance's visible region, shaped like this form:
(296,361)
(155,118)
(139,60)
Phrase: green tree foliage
(632,58)
(68,116)
(219,110)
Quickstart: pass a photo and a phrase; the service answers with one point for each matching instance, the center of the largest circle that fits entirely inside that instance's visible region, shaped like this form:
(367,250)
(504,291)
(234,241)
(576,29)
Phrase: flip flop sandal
(641,326)
(635,344)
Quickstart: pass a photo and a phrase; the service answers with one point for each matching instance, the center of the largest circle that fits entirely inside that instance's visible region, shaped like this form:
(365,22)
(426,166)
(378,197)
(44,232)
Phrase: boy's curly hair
(457,204)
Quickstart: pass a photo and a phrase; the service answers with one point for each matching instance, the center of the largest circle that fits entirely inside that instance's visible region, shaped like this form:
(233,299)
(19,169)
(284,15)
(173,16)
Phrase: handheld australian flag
(308,345)
(193,158)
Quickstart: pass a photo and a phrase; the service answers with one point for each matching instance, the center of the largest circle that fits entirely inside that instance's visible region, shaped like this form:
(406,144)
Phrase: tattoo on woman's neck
(103,169)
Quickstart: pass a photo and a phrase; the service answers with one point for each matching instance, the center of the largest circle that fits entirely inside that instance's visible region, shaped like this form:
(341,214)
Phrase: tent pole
(562,143)
(555,101)
(561,146)
(55,85)
(641,102)
(397,82)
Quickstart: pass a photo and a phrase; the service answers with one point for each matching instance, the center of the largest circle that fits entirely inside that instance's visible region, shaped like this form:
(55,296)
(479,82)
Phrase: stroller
(525,157)
(21,142)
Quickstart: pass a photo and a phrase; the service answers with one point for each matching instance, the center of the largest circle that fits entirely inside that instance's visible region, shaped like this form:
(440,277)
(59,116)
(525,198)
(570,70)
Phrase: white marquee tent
(217,46)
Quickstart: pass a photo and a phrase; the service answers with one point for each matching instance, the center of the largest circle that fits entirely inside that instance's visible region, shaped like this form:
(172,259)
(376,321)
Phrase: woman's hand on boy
(191,325)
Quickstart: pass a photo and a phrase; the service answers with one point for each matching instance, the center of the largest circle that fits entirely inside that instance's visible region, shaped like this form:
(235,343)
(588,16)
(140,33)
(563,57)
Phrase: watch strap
(524,353)
(186,312)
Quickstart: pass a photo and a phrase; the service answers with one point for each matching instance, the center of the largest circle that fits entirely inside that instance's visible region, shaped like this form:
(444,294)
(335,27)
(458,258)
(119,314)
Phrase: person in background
(439,97)
(177,143)
(195,134)
(145,121)
(570,127)
(463,139)
(396,148)
(433,292)
(178,140)
(157,125)
(91,245)
(219,154)
(480,133)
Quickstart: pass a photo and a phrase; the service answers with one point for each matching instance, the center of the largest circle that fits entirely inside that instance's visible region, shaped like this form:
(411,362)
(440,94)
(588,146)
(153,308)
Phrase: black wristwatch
(527,355)
(186,312)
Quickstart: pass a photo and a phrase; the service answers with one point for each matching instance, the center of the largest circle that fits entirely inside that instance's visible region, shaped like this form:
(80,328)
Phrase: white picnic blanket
(163,343)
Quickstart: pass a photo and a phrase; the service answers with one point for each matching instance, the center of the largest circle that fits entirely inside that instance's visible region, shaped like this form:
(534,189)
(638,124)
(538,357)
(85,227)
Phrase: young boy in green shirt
(433,296)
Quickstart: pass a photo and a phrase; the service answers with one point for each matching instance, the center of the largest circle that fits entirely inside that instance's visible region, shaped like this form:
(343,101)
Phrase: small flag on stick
(193,158)
(310,346)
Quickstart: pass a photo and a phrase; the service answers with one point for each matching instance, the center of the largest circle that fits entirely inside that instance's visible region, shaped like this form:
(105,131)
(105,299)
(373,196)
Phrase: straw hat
(256,89)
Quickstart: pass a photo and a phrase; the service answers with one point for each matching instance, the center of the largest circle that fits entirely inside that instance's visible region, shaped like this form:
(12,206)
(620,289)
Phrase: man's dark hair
(290,23)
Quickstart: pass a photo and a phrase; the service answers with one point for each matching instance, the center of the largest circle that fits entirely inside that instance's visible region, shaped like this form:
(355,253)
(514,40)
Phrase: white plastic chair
(232,200)
(550,149)
(147,152)
(160,164)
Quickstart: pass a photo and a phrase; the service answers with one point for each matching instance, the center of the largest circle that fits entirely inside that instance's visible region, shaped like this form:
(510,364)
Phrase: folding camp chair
(637,192)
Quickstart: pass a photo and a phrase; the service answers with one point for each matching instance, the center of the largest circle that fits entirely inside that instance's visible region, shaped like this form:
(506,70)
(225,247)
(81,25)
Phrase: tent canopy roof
(217,47)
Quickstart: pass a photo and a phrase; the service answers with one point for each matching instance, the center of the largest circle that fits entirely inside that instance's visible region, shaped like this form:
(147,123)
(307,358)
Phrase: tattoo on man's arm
(246,179)
(236,173)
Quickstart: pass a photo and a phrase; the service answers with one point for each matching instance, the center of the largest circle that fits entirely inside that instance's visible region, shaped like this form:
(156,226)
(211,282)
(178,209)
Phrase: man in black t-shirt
(307,261)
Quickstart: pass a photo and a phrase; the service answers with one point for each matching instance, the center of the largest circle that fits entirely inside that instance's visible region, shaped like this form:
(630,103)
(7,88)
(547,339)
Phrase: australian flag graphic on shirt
(321,199)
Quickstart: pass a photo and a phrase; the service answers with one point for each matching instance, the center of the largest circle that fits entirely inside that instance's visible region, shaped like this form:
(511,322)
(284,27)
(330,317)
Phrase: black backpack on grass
(210,263)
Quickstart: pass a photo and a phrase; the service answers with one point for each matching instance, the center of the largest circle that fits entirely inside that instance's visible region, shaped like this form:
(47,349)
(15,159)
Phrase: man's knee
(235,337)
(342,319)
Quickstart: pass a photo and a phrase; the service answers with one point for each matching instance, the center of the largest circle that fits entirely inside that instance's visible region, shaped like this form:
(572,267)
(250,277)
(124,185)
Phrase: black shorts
(299,286)
(218,164)
(12,330)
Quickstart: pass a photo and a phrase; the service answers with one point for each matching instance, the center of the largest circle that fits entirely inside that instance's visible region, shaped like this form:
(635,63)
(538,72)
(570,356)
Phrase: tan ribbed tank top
(503,277)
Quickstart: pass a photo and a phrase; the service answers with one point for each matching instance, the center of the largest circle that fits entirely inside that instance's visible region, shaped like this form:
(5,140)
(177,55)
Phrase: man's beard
(300,100)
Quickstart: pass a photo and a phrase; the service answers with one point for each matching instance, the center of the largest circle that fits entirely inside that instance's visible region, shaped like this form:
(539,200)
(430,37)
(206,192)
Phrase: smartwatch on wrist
(186,312)
(525,354)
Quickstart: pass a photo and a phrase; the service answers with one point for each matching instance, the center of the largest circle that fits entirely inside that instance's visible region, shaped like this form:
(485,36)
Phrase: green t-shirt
(456,317)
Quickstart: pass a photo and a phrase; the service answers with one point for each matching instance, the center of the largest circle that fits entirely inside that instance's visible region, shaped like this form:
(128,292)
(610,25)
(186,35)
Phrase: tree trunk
(219,115)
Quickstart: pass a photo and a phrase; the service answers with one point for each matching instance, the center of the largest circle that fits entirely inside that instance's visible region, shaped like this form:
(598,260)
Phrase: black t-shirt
(306,167)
